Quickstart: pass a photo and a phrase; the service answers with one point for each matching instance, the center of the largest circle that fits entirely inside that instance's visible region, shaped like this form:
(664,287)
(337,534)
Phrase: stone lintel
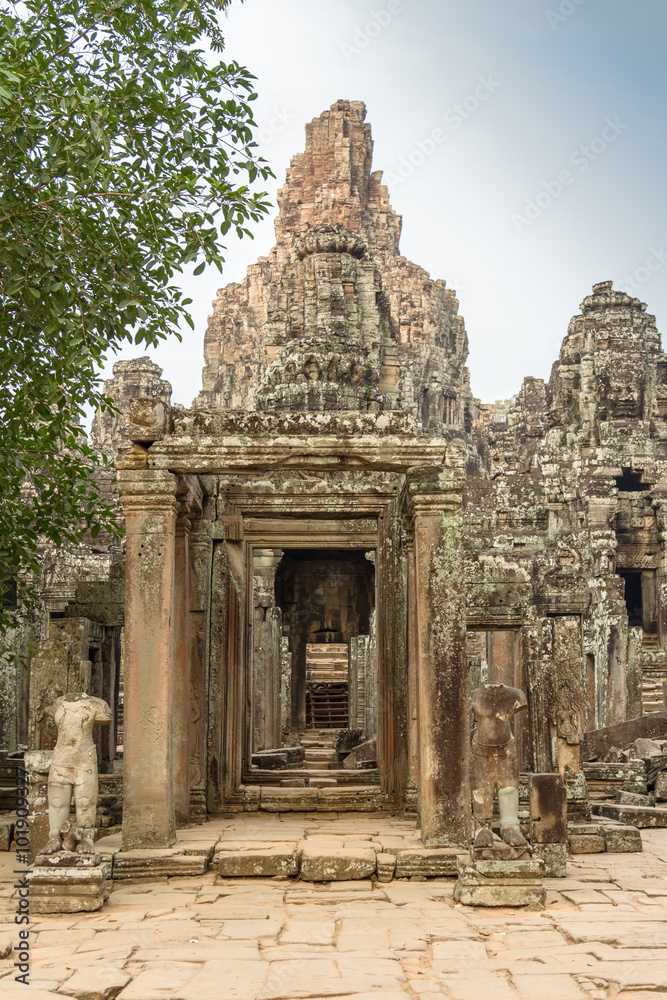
(238,454)
(249,424)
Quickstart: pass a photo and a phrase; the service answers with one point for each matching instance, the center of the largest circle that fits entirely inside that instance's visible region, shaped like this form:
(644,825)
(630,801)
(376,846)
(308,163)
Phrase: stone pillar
(180,734)
(370,678)
(201,554)
(266,651)
(442,657)
(413,666)
(149,504)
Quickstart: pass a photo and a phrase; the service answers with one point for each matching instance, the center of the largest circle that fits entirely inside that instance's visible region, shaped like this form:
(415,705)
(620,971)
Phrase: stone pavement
(602,935)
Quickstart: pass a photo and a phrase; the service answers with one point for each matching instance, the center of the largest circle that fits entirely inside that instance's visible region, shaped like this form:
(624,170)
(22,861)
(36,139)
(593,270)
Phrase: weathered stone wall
(568,497)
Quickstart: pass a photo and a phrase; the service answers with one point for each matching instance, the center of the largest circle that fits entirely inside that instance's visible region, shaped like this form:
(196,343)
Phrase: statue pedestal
(554,857)
(68,883)
(499,876)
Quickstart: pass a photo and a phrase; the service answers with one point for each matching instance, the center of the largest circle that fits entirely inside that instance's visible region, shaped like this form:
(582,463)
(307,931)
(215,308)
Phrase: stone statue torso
(494,705)
(75,755)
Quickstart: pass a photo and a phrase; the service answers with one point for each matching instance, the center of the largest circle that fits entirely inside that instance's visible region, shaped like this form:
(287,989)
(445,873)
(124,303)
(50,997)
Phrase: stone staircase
(327,685)
(320,755)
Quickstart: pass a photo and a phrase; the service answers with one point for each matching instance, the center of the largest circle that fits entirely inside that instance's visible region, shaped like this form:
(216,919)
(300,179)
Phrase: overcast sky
(546,173)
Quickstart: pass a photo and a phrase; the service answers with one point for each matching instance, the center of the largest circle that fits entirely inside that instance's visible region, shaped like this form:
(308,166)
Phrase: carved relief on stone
(195,750)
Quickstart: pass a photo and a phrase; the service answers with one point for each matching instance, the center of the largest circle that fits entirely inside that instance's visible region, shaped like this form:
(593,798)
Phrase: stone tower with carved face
(334,318)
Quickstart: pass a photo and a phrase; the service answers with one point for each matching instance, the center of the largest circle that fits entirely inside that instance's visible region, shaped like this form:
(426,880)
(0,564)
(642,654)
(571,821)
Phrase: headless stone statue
(494,763)
(73,772)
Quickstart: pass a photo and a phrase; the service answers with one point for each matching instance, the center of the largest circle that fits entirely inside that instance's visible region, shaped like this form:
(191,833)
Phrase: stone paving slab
(14,992)
(603,937)
(561,987)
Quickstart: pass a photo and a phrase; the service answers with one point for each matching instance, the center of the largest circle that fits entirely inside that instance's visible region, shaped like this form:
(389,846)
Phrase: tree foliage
(127,153)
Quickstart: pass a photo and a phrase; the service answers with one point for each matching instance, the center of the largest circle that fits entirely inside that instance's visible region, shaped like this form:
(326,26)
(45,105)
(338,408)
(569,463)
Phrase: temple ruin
(336,544)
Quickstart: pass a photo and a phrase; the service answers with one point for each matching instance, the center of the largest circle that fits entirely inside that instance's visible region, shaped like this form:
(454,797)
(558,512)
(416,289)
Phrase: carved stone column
(201,552)
(444,735)
(149,504)
(413,665)
(180,740)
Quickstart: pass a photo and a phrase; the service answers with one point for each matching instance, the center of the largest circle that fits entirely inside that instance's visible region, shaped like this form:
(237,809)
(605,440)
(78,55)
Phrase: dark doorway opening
(633,598)
(641,601)
(631,481)
(326,597)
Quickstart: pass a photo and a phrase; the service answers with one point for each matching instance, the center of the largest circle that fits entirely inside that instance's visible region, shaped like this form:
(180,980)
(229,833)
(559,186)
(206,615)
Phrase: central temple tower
(334,318)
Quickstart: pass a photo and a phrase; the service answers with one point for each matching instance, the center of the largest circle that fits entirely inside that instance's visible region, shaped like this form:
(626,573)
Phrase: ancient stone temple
(336,543)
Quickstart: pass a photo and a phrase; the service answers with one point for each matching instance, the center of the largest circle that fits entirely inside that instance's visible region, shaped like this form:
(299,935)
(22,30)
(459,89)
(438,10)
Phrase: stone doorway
(314,654)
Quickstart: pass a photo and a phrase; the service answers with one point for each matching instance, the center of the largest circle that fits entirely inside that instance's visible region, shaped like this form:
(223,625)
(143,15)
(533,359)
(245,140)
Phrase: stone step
(643,817)
(324,649)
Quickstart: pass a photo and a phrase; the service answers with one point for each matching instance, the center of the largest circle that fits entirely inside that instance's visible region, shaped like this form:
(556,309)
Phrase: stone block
(270,760)
(296,756)
(646,749)
(633,799)
(68,890)
(156,863)
(434,862)
(529,868)
(149,420)
(622,839)
(322,782)
(501,852)
(386,866)
(329,864)
(274,799)
(67,859)
(292,782)
(499,895)
(554,857)
(578,805)
(349,798)
(661,786)
(262,863)
(469,878)
(499,883)
(598,742)
(363,753)
(643,817)
(6,833)
(585,843)
(548,809)
(345,740)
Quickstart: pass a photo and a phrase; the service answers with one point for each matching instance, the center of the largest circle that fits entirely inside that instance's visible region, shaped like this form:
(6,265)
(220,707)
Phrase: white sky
(556,72)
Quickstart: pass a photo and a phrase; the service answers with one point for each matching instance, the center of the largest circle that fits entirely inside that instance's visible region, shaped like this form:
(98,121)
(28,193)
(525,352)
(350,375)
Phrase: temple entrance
(314,656)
